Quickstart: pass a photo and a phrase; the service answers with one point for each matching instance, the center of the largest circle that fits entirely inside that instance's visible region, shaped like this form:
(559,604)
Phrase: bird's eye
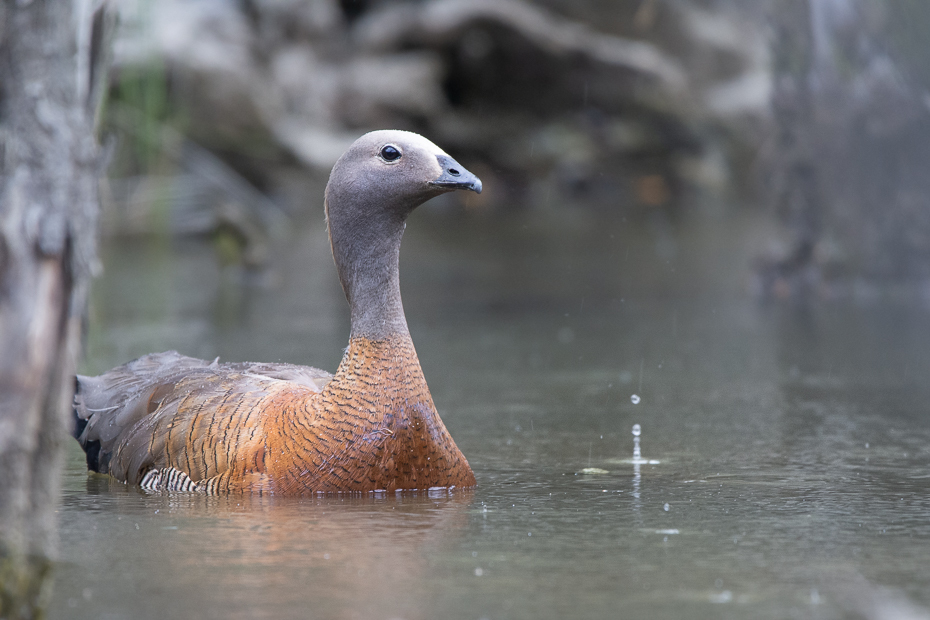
(390,153)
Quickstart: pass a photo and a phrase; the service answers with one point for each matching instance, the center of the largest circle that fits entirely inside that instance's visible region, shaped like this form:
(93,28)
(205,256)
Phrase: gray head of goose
(372,189)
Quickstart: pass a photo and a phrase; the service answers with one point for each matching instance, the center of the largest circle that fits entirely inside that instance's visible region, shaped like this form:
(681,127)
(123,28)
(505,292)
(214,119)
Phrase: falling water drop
(635,399)
(637,450)
(665,507)
(637,454)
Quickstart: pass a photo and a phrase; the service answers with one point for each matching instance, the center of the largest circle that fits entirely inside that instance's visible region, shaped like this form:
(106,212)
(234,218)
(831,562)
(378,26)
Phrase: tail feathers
(78,424)
(91,448)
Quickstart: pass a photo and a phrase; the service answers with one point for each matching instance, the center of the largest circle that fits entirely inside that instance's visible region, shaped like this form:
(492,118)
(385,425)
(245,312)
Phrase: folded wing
(166,411)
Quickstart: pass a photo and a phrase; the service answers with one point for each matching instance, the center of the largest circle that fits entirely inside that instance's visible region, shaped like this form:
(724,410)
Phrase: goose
(167,422)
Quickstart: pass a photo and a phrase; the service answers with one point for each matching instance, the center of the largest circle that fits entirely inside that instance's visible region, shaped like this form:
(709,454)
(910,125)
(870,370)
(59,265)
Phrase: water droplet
(866,444)
(634,399)
(637,430)
(478,572)
(474,554)
(665,507)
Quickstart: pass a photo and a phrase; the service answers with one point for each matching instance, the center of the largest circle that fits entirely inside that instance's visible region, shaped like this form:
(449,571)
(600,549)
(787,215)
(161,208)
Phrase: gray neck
(367,262)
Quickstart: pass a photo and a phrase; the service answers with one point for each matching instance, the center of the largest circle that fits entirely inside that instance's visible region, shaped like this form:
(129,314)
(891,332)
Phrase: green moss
(143,95)
(25,585)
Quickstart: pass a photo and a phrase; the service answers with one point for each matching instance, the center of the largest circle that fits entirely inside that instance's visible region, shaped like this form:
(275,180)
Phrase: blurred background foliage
(227,117)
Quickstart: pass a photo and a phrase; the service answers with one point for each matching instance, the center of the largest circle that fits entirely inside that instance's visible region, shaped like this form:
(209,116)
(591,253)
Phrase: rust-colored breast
(373,427)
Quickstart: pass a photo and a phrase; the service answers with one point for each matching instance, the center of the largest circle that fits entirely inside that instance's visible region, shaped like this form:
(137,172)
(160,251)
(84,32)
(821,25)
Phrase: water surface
(792,442)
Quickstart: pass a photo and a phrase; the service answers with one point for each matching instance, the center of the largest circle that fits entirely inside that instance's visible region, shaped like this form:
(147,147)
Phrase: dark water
(792,443)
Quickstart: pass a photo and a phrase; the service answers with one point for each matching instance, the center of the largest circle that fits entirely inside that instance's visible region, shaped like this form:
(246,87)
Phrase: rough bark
(51,80)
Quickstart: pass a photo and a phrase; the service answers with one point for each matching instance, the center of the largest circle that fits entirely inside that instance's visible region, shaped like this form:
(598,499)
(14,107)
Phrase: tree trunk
(50,80)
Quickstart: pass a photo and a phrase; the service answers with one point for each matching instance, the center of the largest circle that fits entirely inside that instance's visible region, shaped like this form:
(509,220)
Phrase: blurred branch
(395,24)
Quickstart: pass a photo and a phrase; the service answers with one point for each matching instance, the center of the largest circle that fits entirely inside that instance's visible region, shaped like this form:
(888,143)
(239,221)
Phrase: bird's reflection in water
(354,555)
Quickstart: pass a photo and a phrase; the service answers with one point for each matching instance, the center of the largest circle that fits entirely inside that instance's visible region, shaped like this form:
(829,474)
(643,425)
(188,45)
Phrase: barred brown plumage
(173,423)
